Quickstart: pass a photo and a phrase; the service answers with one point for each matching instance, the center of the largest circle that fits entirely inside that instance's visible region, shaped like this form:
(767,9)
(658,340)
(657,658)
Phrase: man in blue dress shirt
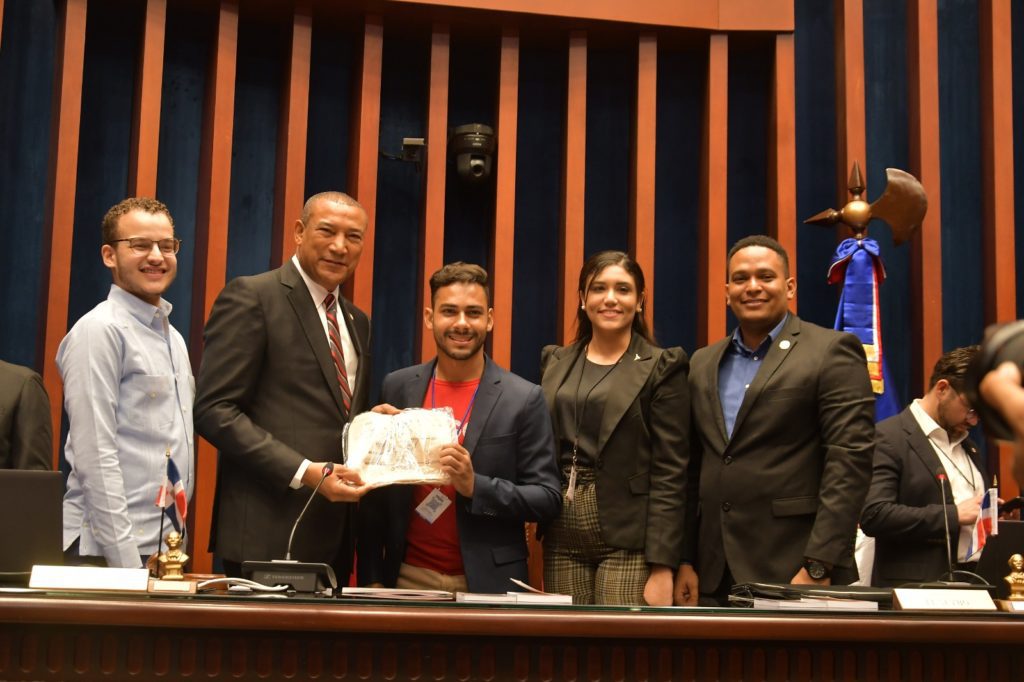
(128,392)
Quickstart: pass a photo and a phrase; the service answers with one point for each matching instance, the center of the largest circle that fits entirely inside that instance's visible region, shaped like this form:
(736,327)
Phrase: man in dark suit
(286,363)
(26,433)
(468,535)
(783,415)
(904,510)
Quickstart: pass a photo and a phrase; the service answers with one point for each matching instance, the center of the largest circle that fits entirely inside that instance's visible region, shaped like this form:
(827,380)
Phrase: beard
(463,353)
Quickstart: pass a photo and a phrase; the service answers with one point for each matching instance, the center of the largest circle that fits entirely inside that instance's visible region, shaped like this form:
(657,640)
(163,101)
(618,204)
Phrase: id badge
(570,491)
(433,505)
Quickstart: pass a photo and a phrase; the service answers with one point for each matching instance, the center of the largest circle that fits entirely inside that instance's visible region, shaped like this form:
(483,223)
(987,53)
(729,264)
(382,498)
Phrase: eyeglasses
(971,412)
(143,246)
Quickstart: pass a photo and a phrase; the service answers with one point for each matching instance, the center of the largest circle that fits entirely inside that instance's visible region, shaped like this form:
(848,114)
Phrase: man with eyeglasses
(904,510)
(128,391)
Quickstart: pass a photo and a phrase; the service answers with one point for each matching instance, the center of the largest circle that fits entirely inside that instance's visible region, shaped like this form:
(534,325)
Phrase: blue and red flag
(171,497)
(987,524)
(857,263)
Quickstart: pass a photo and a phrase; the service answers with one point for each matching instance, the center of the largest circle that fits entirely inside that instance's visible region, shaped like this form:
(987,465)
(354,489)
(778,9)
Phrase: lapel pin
(636,357)
(784,344)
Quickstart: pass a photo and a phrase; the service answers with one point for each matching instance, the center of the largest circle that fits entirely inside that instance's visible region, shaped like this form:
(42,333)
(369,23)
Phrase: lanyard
(469,408)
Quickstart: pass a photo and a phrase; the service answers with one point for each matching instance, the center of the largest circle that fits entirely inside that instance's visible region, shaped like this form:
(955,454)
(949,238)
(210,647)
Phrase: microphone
(941,475)
(316,578)
(324,473)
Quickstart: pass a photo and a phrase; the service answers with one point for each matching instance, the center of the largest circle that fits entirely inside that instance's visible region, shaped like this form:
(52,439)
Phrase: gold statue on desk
(1016,577)
(172,562)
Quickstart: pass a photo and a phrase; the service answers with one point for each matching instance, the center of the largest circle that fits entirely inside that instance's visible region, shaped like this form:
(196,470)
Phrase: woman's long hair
(593,267)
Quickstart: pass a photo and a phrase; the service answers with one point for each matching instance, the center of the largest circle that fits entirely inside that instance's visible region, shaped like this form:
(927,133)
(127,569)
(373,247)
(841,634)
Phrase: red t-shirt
(436,545)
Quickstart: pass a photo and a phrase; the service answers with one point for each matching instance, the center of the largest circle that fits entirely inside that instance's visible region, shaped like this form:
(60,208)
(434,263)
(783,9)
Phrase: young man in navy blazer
(466,536)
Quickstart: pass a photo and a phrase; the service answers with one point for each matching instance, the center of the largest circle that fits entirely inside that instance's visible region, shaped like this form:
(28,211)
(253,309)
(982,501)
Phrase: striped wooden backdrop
(646,24)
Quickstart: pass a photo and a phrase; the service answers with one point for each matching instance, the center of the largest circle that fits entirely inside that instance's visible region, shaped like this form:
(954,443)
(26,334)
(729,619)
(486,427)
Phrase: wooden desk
(97,638)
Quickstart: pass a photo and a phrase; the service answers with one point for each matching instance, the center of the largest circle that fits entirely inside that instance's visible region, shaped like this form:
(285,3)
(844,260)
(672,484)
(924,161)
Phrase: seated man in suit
(467,535)
(26,433)
(904,509)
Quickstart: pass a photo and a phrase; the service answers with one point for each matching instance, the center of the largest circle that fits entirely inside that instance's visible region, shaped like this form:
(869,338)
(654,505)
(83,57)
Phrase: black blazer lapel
(781,348)
(555,372)
(628,378)
(711,386)
(922,448)
(358,342)
(416,388)
(302,303)
(486,398)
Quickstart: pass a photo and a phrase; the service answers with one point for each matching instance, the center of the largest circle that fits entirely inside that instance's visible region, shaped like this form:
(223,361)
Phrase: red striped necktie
(334,334)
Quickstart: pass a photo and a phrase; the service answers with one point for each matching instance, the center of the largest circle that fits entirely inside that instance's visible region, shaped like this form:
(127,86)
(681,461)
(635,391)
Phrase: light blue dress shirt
(128,392)
(738,369)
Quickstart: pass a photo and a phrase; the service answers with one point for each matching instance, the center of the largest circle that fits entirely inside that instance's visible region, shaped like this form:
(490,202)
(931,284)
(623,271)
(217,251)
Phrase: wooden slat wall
(574,176)
(713,231)
(432,238)
(997,186)
(366,131)
(782,151)
(290,181)
(925,164)
(212,242)
(641,242)
(60,199)
(850,115)
(214,186)
(503,244)
(146,120)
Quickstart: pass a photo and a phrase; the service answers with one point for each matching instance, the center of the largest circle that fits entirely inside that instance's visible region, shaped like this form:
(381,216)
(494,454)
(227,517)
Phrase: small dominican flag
(987,524)
(171,497)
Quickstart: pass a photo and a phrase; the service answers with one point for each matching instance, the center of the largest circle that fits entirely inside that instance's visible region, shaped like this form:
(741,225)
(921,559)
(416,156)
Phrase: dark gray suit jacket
(516,480)
(267,396)
(643,447)
(791,481)
(904,511)
(26,431)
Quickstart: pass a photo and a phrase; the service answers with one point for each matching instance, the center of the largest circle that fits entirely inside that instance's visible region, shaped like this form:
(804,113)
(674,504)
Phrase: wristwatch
(816,569)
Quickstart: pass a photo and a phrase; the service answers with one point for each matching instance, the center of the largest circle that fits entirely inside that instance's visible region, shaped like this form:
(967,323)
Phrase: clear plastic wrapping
(399,448)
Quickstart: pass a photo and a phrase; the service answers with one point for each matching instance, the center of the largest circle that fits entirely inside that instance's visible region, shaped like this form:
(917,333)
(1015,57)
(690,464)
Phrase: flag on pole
(987,524)
(171,497)
(857,263)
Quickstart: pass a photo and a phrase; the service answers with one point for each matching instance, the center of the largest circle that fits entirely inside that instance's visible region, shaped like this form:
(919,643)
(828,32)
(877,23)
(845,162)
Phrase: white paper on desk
(89,578)
(402,448)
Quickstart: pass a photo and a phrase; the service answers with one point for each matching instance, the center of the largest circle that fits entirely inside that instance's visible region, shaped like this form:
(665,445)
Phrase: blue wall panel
(335,57)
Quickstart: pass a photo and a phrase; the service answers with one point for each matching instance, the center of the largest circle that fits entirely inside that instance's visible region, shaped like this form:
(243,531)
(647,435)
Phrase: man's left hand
(456,463)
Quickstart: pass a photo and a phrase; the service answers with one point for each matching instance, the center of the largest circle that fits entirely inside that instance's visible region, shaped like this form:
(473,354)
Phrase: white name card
(89,578)
(1011,606)
(942,600)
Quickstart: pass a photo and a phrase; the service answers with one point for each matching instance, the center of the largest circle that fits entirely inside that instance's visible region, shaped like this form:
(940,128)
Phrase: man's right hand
(967,511)
(341,485)
(385,408)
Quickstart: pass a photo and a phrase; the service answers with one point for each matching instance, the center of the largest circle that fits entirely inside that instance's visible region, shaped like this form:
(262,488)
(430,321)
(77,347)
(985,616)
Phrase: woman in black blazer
(621,408)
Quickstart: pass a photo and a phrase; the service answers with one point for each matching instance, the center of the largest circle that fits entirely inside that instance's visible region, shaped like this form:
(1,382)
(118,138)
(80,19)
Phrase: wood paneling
(290,181)
(641,233)
(145,145)
(998,183)
(574,175)
(1,22)
(503,244)
(925,165)
(782,152)
(62,179)
(364,156)
(851,138)
(720,15)
(713,231)
(212,243)
(432,239)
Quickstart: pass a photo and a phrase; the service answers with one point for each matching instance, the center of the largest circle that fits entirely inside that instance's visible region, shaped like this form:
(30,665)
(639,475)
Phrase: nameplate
(1011,606)
(89,578)
(941,600)
(172,586)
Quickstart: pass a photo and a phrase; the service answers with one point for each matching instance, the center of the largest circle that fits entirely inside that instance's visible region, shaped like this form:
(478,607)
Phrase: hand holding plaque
(400,448)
